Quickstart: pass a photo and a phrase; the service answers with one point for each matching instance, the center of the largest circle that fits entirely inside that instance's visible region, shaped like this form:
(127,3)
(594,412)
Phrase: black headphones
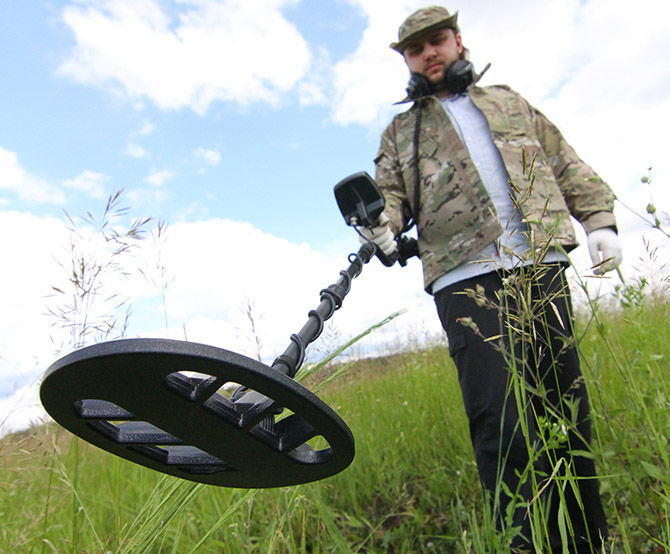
(457,78)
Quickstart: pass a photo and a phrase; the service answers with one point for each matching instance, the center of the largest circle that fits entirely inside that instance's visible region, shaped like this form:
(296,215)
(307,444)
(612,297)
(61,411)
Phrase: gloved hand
(605,249)
(381,235)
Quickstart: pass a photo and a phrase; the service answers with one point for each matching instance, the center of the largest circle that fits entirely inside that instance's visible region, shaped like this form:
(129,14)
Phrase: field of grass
(413,486)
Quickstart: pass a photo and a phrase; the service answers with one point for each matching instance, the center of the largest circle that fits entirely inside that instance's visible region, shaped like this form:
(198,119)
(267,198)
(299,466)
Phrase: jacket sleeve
(589,199)
(388,175)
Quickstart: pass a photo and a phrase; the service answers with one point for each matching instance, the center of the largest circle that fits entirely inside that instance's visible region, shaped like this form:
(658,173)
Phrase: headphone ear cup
(459,76)
(418,86)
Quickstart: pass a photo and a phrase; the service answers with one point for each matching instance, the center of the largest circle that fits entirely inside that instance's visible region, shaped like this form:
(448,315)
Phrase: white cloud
(30,273)
(367,82)
(146,129)
(236,50)
(159,178)
(88,182)
(21,410)
(146,196)
(208,156)
(312,89)
(28,187)
(134,150)
(218,265)
(615,106)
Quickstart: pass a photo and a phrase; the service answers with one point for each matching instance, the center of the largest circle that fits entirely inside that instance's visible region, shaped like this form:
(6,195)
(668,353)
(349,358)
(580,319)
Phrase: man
(490,184)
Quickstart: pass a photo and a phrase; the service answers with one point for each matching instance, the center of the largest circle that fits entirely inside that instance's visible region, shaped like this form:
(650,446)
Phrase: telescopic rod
(331,299)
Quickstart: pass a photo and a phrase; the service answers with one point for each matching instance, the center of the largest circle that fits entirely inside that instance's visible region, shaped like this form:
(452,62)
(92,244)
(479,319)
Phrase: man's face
(432,53)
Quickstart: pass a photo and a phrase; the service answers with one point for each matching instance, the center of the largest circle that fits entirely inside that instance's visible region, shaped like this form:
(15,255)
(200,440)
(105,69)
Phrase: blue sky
(265,161)
(233,120)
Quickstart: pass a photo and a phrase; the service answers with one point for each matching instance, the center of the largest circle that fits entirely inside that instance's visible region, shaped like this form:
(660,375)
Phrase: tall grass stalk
(168,498)
(639,416)
(225,517)
(89,304)
(156,271)
(311,369)
(79,506)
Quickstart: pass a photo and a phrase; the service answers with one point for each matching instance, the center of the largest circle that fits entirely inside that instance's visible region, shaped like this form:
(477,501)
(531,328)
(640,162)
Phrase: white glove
(381,235)
(605,250)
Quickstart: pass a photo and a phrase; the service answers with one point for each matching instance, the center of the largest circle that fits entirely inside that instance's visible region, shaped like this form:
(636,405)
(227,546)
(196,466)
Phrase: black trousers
(526,402)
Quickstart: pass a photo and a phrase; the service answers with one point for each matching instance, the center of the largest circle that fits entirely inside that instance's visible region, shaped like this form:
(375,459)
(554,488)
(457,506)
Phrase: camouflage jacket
(457,219)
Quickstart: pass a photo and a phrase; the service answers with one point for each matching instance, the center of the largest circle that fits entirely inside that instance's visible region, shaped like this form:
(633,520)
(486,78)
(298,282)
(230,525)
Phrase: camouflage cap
(423,21)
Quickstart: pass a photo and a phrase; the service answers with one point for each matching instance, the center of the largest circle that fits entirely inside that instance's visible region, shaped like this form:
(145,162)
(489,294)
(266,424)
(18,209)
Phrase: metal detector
(163,403)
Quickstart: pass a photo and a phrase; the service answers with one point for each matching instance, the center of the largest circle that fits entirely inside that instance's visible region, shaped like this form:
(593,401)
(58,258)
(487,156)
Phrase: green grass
(412,487)
(627,363)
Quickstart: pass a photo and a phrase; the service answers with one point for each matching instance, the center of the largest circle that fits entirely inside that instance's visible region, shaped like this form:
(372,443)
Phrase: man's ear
(459,43)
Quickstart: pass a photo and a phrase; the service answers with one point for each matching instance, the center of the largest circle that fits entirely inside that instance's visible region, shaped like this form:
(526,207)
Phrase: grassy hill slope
(412,487)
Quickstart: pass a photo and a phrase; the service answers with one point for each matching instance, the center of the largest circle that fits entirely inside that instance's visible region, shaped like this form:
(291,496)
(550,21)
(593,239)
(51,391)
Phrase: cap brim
(449,22)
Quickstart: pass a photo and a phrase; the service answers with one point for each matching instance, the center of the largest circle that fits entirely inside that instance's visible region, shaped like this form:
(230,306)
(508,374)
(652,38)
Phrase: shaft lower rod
(331,299)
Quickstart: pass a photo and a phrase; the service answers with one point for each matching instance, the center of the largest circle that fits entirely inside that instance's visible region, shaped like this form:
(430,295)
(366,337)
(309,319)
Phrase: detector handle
(361,202)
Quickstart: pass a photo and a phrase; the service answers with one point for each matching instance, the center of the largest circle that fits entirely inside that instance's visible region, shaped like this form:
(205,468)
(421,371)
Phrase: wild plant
(251,313)
(89,303)
(155,270)
(632,401)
